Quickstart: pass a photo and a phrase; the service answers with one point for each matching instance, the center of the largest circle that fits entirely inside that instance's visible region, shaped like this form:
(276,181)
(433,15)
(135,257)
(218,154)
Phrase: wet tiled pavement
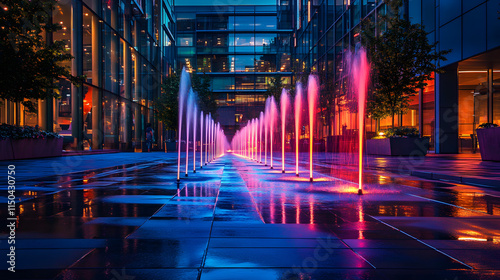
(237,219)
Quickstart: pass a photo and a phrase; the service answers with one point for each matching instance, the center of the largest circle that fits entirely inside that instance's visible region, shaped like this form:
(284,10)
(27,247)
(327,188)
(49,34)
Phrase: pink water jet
(284,102)
(261,124)
(201,139)
(298,110)
(360,78)
(273,115)
(189,104)
(312,98)
(195,118)
(266,124)
(185,84)
(206,137)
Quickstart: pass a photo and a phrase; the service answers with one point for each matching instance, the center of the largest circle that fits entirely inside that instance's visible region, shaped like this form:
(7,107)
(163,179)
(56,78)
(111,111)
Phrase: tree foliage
(274,87)
(29,67)
(403,61)
(206,98)
(167,105)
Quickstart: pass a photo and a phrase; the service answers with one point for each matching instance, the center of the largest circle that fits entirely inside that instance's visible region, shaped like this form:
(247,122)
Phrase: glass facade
(123,48)
(448,111)
(240,48)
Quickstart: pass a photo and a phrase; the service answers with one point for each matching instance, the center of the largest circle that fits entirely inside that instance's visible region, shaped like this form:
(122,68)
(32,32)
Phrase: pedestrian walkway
(238,219)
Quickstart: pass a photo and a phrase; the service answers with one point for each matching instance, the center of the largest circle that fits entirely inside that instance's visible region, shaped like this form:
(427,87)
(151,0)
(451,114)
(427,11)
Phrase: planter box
(489,143)
(398,146)
(30,148)
(170,146)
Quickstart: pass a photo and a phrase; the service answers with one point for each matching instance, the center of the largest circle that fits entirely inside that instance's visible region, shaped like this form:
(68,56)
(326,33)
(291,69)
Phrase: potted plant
(18,142)
(398,141)
(488,135)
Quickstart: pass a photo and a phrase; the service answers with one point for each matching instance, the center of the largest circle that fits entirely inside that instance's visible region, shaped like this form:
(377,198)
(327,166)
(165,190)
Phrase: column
(46,106)
(138,89)
(446,133)
(76,70)
(127,80)
(97,116)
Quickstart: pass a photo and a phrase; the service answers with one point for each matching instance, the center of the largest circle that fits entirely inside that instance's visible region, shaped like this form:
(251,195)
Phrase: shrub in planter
(28,142)
(488,135)
(398,141)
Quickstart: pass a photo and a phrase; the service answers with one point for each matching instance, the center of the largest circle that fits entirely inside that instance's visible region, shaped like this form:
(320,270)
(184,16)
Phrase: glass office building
(452,106)
(241,47)
(124,49)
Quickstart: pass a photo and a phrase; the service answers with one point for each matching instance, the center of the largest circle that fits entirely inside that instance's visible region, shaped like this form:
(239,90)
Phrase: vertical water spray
(261,122)
(252,133)
(266,124)
(188,125)
(284,100)
(298,110)
(209,143)
(206,139)
(255,131)
(183,92)
(272,123)
(360,78)
(201,139)
(312,96)
(195,119)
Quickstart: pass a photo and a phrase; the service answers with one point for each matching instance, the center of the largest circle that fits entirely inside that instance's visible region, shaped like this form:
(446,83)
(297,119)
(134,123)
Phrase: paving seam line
(422,242)
(205,253)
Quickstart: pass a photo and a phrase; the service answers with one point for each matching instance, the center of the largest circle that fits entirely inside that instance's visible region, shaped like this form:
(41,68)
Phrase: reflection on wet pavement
(236,219)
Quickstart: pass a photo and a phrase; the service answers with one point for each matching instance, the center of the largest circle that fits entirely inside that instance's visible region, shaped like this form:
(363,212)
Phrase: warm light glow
(312,95)
(472,239)
(284,107)
(298,109)
(381,134)
(361,71)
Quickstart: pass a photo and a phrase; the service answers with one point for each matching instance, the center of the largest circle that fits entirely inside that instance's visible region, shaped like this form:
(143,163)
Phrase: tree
(167,105)
(29,67)
(402,60)
(274,87)
(206,100)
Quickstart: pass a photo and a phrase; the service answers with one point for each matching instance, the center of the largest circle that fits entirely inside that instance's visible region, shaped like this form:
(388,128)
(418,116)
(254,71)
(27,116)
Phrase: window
(244,42)
(265,23)
(245,82)
(265,63)
(244,23)
(185,41)
(185,21)
(223,83)
(242,63)
(265,43)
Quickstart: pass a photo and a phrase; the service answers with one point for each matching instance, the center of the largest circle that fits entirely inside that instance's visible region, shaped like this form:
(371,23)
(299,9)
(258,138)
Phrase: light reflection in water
(283,211)
(297,209)
(311,209)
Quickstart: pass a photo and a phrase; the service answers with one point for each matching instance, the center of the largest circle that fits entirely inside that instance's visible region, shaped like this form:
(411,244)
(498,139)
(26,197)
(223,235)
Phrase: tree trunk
(393,120)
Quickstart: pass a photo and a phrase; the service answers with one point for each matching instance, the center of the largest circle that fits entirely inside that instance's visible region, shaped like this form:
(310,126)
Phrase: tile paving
(237,219)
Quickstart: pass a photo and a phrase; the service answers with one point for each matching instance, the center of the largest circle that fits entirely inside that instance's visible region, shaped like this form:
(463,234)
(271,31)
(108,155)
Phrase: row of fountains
(212,137)
(255,141)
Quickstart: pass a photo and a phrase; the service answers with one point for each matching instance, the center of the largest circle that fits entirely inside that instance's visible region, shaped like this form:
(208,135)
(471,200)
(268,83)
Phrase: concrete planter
(489,143)
(170,146)
(398,146)
(30,148)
